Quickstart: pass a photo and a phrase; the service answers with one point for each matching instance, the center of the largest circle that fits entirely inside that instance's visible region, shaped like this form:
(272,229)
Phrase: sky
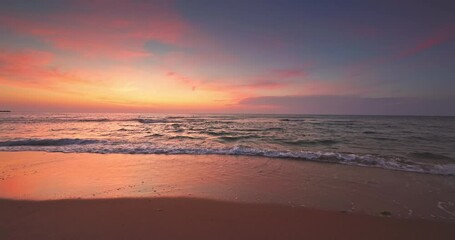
(236,56)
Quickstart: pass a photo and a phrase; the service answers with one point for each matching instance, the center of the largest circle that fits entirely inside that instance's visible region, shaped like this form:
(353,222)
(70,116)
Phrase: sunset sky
(239,56)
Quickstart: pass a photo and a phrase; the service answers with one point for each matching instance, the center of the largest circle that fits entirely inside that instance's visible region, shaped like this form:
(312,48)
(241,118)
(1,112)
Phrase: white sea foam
(95,146)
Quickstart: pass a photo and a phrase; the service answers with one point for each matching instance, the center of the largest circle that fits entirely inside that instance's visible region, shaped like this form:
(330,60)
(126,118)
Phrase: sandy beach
(118,196)
(54,176)
(183,218)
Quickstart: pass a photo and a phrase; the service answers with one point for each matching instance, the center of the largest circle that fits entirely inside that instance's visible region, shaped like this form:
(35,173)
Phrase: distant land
(5,110)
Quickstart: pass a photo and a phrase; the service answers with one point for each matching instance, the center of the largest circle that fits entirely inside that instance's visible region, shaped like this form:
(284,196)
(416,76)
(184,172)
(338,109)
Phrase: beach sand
(182,218)
(121,196)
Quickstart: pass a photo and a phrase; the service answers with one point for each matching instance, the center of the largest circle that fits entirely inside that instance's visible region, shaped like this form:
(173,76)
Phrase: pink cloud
(271,80)
(91,29)
(25,67)
(287,73)
(34,69)
(182,79)
(439,37)
(259,85)
(245,86)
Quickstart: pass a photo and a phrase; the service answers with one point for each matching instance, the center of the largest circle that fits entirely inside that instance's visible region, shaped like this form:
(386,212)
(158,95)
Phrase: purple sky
(255,56)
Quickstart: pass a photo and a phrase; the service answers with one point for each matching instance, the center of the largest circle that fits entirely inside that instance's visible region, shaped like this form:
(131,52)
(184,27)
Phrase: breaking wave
(310,142)
(95,146)
(47,142)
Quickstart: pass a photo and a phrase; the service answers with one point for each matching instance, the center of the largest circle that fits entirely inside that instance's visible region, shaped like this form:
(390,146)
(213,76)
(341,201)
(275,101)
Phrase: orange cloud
(111,87)
(33,68)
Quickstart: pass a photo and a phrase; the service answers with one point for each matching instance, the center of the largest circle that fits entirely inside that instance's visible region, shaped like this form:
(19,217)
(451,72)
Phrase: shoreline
(244,179)
(286,158)
(191,218)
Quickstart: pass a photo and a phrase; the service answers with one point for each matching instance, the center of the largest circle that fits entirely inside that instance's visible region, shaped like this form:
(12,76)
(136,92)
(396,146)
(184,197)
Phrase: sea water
(404,143)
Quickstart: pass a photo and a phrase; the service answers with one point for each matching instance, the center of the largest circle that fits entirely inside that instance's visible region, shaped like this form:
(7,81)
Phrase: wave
(94,146)
(93,120)
(237,138)
(184,137)
(292,120)
(141,120)
(429,155)
(217,133)
(384,139)
(370,132)
(260,130)
(311,142)
(125,130)
(155,135)
(48,142)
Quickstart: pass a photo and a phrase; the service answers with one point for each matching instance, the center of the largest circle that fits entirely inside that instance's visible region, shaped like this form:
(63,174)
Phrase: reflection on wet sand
(42,176)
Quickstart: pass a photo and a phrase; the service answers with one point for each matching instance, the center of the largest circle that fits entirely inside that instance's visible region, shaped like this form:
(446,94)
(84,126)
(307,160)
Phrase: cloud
(271,79)
(113,29)
(436,38)
(26,67)
(242,86)
(351,105)
(30,68)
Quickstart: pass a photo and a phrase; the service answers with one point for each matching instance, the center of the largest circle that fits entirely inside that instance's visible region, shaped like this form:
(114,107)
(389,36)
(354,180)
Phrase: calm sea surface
(418,144)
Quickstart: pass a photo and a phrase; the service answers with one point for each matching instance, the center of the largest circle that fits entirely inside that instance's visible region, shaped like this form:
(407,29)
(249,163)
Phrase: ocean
(402,143)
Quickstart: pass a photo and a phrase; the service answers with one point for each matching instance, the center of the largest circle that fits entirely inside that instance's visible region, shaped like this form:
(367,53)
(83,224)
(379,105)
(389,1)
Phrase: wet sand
(120,196)
(45,176)
(183,218)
